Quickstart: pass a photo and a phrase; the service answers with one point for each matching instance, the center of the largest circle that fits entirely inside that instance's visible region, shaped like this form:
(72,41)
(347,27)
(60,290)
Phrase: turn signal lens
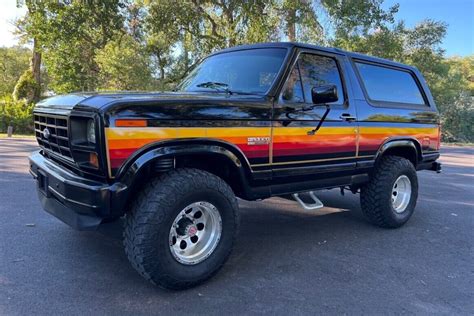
(94,160)
(131,123)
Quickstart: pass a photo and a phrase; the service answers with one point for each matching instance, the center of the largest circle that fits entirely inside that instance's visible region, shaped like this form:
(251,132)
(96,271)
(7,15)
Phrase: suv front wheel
(389,199)
(181,228)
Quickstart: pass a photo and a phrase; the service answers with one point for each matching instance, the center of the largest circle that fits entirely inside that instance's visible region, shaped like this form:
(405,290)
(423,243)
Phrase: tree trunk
(36,70)
(291,25)
(161,64)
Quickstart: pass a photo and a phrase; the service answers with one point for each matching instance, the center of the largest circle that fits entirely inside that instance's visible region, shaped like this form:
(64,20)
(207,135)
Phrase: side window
(319,71)
(389,85)
(293,90)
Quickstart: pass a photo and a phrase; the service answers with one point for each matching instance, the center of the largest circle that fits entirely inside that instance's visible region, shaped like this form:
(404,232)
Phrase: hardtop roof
(290,45)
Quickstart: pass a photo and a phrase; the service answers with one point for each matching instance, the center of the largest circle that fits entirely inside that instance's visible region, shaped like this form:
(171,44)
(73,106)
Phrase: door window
(318,71)
(293,90)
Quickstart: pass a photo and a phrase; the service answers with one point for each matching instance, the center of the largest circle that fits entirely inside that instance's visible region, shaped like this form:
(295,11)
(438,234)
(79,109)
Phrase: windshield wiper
(222,87)
(219,86)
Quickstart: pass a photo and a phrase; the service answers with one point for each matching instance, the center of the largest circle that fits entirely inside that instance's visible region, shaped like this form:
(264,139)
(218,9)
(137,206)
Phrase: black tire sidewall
(167,263)
(401,218)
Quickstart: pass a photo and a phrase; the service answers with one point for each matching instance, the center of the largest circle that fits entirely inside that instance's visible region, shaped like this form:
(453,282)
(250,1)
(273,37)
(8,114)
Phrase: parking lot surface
(286,260)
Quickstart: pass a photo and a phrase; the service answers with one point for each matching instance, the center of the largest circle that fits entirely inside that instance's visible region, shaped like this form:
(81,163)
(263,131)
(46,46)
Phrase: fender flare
(173,148)
(400,142)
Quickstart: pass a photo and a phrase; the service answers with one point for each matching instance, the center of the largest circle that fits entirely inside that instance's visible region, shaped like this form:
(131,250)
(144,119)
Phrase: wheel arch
(215,156)
(406,147)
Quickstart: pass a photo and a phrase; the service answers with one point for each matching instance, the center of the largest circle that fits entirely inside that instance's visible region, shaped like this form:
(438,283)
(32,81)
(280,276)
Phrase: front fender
(175,148)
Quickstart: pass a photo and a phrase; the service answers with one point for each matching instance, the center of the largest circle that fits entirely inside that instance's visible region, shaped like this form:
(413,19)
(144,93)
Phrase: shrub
(26,88)
(457,119)
(18,114)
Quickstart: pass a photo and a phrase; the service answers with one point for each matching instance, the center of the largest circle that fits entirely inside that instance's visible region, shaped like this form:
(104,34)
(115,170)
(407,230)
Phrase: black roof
(291,45)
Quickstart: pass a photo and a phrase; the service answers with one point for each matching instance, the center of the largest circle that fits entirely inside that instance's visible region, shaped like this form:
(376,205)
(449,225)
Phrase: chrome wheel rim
(195,233)
(401,194)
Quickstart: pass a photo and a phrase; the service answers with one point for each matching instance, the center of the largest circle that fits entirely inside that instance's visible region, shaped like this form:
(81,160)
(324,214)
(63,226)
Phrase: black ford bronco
(277,119)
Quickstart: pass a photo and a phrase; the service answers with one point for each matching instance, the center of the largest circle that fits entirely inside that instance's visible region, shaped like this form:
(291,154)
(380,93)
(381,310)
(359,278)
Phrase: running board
(313,206)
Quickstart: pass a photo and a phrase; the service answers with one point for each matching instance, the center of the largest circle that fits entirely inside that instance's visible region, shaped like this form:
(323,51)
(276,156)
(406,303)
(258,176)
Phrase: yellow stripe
(184,132)
(397,130)
(299,131)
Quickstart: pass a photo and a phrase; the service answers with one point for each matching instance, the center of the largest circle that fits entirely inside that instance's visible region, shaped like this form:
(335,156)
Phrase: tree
(191,29)
(68,34)
(352,18)
(300,21)
(455,98)
(123,65)
(14,61)
(32,77)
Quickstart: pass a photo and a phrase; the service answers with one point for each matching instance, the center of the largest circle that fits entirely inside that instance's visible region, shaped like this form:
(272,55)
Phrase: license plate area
(43,183)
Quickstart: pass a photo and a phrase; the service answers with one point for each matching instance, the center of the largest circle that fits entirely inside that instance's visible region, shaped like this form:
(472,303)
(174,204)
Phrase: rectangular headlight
(91,131)
(83,131)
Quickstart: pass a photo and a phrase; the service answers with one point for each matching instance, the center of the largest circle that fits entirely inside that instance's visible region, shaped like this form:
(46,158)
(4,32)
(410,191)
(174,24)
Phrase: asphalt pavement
(287,261)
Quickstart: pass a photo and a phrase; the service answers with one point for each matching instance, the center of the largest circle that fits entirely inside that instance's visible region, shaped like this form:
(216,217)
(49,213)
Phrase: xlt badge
(258,140)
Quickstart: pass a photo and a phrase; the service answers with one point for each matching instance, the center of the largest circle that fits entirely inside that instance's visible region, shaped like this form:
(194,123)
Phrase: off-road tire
(147,227)
(375,196)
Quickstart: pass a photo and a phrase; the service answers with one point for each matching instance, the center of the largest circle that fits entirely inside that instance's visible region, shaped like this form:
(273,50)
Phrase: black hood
(104,101)
(174,106)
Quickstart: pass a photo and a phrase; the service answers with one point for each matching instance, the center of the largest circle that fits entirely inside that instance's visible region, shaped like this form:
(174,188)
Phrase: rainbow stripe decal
(286,145)
(123,141)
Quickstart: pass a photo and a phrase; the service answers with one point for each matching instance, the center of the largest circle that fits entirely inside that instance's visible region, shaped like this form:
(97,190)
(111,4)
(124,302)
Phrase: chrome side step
(313,206)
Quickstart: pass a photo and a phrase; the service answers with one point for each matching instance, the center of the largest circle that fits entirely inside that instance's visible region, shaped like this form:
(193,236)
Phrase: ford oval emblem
(46,133)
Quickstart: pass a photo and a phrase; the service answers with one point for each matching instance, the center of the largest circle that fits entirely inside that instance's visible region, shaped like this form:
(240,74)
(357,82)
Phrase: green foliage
(17,114)
(123,65)
(458,120)
(350,19)
(190,29)
(451,81)
(69,33)
(454,95)
(13,63)
(26,88)
(151,44)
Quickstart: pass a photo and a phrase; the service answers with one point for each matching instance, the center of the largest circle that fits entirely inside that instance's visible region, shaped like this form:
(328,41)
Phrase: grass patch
(4,135)
(458,144)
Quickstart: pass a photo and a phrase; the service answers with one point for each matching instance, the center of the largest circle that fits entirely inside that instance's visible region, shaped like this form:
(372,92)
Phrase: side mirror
(324,94)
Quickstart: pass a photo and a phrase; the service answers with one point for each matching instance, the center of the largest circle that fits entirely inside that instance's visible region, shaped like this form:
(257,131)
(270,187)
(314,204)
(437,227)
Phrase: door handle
(347,117)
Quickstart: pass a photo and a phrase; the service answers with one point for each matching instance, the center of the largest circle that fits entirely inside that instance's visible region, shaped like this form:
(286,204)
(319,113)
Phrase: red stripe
(288,149)
(295,152)
(116,163)
(250,150)
(121,153)
(254,151)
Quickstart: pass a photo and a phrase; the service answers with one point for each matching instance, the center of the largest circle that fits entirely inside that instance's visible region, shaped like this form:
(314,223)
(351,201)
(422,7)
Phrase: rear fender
(394,144)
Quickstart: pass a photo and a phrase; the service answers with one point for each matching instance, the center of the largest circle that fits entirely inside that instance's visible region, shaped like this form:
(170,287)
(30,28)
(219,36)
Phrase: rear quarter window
(384,84)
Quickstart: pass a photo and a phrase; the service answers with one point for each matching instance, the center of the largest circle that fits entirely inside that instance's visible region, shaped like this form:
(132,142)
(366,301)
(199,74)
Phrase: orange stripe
(131,123)
(136,143)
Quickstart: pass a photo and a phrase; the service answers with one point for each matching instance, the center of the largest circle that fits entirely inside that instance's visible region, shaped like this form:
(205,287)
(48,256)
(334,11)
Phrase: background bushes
(17,114)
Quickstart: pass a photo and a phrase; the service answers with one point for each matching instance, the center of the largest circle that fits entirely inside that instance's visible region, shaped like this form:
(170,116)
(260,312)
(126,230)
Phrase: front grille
(56,138)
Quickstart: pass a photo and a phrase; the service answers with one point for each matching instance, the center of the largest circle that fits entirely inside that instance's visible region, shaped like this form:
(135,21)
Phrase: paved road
(286,261)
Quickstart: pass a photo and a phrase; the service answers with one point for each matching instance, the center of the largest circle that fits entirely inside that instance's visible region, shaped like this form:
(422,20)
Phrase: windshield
(244,71)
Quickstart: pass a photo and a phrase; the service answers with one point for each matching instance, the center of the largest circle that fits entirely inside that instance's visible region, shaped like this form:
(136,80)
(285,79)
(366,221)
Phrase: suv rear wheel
(181,228)
(389,199)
